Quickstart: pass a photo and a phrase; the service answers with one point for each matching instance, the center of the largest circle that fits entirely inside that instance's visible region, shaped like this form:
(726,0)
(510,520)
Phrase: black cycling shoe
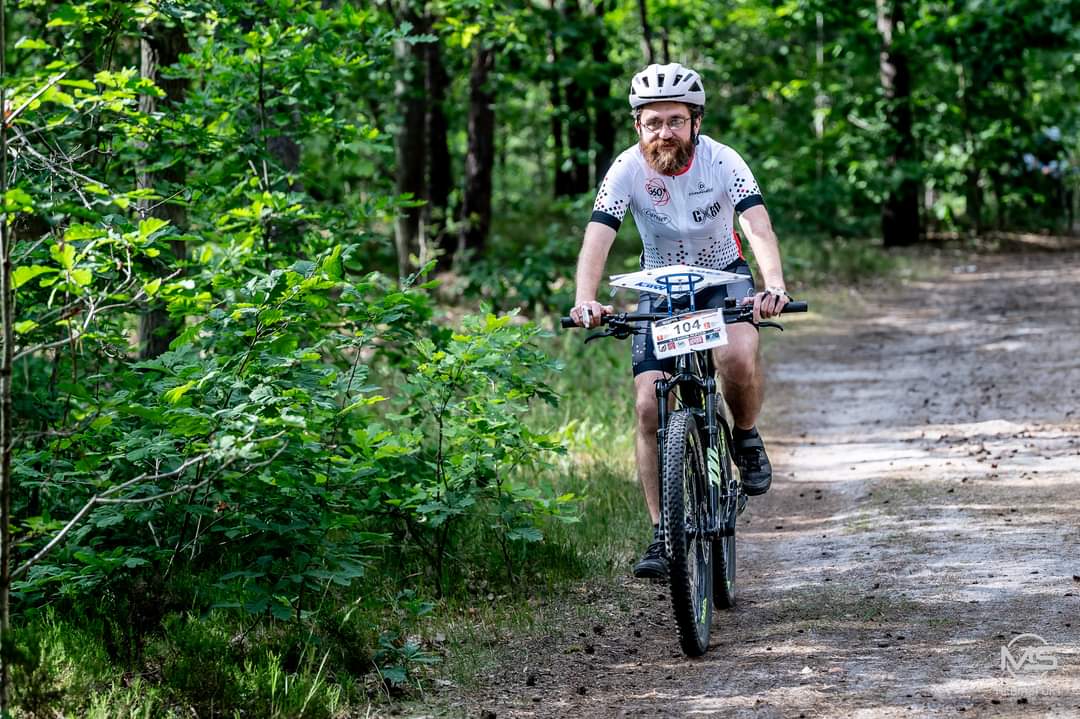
(753,463)
(653,564)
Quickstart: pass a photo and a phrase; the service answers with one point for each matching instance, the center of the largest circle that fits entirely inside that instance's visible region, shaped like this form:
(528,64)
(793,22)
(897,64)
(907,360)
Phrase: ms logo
(657,191)
(1028,654)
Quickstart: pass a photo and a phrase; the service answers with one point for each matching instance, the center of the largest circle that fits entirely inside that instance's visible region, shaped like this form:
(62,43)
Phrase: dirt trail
(925,513)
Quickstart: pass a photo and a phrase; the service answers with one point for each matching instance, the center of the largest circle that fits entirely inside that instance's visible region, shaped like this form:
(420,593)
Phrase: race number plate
(689,333)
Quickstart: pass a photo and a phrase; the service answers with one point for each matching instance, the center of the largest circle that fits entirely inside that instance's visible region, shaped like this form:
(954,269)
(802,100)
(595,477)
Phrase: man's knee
(738,363)
(645,407)
(740,368)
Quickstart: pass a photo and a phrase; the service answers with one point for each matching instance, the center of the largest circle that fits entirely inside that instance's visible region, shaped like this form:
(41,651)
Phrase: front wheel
(685,507)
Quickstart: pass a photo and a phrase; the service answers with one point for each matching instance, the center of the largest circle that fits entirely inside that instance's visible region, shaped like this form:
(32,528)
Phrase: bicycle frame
(695,376)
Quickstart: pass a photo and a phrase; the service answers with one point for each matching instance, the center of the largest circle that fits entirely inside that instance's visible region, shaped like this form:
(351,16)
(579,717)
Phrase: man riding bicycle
(684,190)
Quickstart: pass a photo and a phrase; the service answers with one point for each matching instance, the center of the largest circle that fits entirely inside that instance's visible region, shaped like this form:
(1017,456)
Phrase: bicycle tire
(685,499)
(723,557)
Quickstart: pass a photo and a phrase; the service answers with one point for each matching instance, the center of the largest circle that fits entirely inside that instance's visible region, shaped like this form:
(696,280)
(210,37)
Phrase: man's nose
(666,131)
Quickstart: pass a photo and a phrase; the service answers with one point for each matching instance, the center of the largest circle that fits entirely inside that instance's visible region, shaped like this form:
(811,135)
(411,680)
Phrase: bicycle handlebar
(741,313)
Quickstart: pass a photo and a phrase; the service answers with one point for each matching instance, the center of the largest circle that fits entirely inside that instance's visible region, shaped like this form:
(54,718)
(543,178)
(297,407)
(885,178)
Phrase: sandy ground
(925,514)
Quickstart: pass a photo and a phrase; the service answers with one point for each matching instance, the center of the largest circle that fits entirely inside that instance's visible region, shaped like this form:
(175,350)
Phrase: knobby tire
(684,494)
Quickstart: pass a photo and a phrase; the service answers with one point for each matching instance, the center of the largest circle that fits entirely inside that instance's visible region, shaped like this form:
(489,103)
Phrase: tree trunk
(411,148)
(476,203)
(973,212)
(161,46)
(562,177)
(577,110)
(440,181)
(603,120)
(900,213)
(646,33)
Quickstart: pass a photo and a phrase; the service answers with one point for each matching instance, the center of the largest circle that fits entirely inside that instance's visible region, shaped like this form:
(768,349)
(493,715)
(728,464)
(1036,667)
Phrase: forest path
(925,513)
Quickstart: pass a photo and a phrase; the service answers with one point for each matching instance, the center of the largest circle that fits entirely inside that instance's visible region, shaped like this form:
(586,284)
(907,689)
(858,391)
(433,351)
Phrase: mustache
(669,155)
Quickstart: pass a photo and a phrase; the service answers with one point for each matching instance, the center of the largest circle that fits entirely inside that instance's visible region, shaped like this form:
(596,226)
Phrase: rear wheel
(685,508)
(727,510)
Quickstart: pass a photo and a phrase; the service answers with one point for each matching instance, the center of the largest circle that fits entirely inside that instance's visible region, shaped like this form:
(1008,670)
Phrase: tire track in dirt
(924,514)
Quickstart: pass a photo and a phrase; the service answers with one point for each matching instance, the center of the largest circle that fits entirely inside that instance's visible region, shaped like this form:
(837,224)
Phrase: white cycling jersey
(686,218)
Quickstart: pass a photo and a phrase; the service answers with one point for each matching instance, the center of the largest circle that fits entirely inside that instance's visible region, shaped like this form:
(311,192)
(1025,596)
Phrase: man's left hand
(769,303)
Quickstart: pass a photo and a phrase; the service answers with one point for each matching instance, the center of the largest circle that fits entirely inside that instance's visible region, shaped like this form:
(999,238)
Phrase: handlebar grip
(568,323)
(799,306)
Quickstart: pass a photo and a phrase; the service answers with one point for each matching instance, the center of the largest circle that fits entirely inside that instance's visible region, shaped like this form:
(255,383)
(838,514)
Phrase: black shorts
(641,348)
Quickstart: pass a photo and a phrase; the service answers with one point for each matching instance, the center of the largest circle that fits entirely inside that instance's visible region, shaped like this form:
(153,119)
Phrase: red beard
(668,157)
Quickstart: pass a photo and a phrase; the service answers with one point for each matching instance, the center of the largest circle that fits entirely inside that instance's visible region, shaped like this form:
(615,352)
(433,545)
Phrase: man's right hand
(588,314)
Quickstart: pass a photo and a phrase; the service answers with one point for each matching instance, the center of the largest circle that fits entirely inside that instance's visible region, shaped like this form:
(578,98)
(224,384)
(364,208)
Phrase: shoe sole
(651,574)
(756,492)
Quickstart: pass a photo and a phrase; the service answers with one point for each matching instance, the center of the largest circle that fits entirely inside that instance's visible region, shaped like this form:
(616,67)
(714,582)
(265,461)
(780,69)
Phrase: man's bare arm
(590,269)
(759,231)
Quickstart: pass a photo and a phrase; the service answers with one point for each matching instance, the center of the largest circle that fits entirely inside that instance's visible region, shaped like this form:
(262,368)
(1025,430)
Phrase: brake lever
(767,323)
(618,332)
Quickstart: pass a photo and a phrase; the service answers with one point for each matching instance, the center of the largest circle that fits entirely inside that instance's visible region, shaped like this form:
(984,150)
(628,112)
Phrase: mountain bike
(700,496)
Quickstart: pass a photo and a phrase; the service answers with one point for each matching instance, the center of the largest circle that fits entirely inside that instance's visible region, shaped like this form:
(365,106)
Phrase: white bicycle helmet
(666,83)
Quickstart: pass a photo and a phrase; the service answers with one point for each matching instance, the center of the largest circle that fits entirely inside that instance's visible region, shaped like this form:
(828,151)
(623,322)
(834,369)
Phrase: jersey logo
(701,189)
(658,217)
(657,191)
(709,212)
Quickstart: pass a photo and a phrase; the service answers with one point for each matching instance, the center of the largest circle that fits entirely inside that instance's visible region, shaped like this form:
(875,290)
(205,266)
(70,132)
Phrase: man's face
(665,130)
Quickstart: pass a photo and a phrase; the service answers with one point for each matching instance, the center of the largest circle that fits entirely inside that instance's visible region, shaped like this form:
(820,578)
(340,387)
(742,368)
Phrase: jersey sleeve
(742,188)
(613,197)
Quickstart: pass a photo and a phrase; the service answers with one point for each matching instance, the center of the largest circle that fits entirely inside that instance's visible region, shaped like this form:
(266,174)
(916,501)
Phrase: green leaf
(282,610)
(394,675)
(175,394)
(65,15)
(31,43)
(63,255)
(24,274)
(152,287)
(25,326)
(18,200)
(81,231)
(149,226)
(82,277)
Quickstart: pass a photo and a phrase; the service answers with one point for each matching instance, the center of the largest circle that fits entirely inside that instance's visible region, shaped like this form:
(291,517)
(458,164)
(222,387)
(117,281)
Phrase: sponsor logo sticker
(658,217)
(657,191)
(704,214)
(701,189)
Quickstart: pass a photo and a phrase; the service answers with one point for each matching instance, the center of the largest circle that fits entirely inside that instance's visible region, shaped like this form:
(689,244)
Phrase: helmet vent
(645,80)
(677,78)
(660,79)
(695,87)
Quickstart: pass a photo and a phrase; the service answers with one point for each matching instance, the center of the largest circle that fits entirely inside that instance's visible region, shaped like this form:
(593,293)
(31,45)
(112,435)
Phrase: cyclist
(684,190)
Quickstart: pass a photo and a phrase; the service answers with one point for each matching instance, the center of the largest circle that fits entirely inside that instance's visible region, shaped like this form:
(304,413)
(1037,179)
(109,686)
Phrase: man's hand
(769,303)
(588,314)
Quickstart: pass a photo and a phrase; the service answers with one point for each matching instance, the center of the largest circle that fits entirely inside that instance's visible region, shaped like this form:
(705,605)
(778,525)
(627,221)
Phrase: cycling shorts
(644,358)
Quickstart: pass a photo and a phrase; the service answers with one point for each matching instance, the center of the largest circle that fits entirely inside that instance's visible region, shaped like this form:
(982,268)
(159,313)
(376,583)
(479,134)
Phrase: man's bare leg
(743,381)
(645,440)
(741,374)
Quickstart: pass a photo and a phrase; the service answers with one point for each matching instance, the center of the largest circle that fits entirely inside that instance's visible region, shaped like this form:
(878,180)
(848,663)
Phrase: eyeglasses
(674,124)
